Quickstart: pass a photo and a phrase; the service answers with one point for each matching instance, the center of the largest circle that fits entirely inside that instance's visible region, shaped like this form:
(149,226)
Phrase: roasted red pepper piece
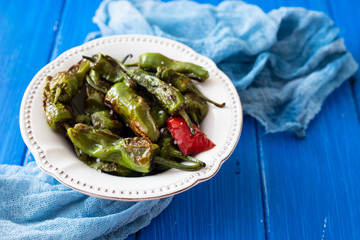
(188,144)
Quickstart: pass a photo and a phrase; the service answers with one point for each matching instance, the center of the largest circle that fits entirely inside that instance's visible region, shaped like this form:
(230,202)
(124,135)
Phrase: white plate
(55,156)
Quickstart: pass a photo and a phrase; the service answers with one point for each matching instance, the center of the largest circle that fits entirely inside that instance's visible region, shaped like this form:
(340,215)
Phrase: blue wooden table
(274,186)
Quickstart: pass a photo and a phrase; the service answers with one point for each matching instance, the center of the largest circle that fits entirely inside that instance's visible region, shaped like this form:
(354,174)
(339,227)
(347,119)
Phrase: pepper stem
(91,59)
(94,85)
(66,126)
(126,57)
(132,64)
(193,89)
(177,154)
(174,164)
(57,94)
(187,119)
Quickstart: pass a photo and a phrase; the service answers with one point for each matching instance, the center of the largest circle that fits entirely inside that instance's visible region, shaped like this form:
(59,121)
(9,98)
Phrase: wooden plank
(346,16)
(26,38)
(76,24)
(311,184)
(212,2)
(228,206)
(267,6)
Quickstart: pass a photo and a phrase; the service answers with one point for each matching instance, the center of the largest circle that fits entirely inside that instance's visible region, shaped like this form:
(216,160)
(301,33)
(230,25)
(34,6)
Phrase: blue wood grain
(228,206)
(267,6)
(346,16)
(27,33)
(76,24)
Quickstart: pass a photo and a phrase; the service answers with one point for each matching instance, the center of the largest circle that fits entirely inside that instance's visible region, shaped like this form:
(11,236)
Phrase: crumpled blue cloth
(34,205)
(284,63)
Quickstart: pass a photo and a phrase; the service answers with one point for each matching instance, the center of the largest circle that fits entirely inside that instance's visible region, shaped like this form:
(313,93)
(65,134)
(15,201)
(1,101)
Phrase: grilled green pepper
(64,85)
(137,154)
(182,82)
(133,109)
(167,149)
(56,113)
(167,96)
(108,68)
(83,118)
(94,80)
(94,100)
(98,113)
(159,115)
(196,107)
(100,165)
(102,120)
(112,168)
(151,61)
(133,153)
(170,98)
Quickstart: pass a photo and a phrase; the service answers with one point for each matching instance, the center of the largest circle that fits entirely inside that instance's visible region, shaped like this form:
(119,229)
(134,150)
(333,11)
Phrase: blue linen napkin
(284,63)
(34,205)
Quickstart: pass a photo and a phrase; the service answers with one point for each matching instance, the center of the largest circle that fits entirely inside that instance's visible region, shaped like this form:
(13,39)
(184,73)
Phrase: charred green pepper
(100,165)
(112,168)
(151,61)
(182,82)
(170,98)
(94,101)
(167,96)
(133,153)
(83,118)
(137,154)
(159,115)
(108,68)
(94,80)
(102,120)
(59,90)
(64,85)
(167,149)
(57,114)
(133,109)
(196,107)
(98,113)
